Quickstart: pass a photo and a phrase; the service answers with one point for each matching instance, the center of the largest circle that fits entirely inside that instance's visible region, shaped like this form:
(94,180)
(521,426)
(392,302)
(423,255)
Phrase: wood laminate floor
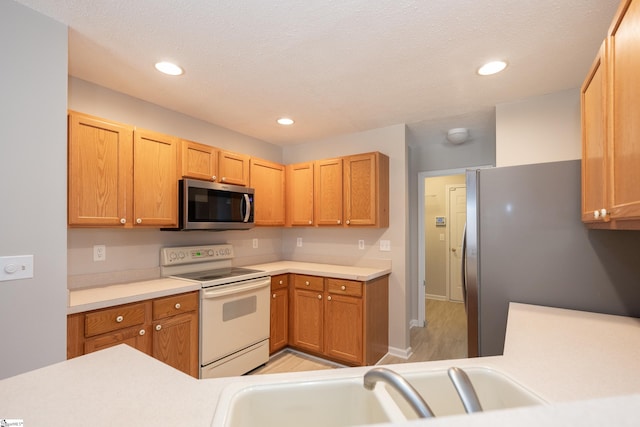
(444,337)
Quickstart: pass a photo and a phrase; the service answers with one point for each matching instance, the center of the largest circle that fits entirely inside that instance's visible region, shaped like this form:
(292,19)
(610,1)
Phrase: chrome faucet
(465,390)
(401,385)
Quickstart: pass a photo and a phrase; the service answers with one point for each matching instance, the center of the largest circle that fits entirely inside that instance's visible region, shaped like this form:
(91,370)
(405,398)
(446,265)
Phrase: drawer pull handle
(280,282)
(307,283)
(158,327)
(142,332)
(119,319)
(343,287)
(274,295)
(177,306)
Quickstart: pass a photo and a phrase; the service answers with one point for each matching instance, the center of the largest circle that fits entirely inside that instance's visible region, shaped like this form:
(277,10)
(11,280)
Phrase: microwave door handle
(247,212)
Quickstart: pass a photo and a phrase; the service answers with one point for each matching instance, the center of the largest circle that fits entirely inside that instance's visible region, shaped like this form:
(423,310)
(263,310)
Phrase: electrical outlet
(385,245)
(99,252)
(360,244)
(441,237)
(299,242)
(255,243)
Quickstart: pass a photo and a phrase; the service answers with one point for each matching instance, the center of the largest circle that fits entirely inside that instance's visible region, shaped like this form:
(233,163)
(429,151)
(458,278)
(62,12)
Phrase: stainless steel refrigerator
(525,243)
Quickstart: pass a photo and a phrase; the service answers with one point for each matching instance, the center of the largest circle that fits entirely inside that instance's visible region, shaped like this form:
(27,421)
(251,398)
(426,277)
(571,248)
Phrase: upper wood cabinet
(198,161)
(99,171)
(120,177)
(155,187)
(300,194)
(328,192)
(366,190)
(233,168)
(268,181)
(608,130)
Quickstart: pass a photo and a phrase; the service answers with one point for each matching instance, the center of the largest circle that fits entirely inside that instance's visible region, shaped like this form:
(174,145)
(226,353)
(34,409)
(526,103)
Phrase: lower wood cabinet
(165,328)
(279,326)
(342,320)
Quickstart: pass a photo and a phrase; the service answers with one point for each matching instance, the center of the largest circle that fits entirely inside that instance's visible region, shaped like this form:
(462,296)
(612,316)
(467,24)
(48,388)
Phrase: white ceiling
(335,66)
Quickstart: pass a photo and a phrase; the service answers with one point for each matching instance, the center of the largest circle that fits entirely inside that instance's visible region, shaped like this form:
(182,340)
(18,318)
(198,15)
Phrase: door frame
(422,176)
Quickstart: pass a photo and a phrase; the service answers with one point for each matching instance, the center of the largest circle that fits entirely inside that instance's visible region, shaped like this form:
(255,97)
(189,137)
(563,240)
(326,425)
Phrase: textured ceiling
(335,66)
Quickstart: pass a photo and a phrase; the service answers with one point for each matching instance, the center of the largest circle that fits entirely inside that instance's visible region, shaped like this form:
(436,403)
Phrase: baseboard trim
(436,297)
(401,353)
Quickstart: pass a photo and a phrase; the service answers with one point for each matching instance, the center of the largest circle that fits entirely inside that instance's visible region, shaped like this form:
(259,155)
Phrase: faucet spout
(402,386)
(465,390)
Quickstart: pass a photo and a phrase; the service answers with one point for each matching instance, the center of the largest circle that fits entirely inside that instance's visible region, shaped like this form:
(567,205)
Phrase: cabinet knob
(280,282)
(274,296)
(224,178)
(596,214)
(319,296)
(158,327)
(348,222)
(123,220)
(213,178)
(119,319)
(310,222)
(339,221)
(142,332)
(139,221)
(307,282)
(603,212)
(177,306)
(343,287)
(329,298)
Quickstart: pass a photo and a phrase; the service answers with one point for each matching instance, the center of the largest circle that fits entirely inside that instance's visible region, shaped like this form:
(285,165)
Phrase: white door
(457,207)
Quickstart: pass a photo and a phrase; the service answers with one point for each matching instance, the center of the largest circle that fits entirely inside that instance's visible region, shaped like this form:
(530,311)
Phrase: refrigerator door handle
(464,265)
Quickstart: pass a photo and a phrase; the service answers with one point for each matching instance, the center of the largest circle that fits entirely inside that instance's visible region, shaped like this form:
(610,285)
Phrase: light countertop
(566,357)
(86,299)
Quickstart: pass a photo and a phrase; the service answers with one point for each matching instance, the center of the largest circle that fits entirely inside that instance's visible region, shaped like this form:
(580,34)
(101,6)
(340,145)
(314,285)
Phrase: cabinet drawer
(344,287)
(280,281)
(112,319)
(176,304)
(314,283)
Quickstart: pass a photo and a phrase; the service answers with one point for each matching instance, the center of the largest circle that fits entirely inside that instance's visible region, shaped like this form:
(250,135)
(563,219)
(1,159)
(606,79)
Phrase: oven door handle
(217,292)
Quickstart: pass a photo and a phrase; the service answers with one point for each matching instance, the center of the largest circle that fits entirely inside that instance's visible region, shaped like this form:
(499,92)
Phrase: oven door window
(241,307)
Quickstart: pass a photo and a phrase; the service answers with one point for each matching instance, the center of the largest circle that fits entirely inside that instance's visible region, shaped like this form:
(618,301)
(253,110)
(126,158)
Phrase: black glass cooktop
(221,273)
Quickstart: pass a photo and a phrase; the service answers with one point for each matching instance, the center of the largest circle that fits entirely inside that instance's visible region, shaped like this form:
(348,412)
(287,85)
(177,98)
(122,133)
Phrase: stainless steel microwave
(204,205)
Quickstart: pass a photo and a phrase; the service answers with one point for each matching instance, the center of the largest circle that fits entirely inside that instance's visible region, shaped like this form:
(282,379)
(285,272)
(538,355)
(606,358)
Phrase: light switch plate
(255,243)
(16,267)
(385,245)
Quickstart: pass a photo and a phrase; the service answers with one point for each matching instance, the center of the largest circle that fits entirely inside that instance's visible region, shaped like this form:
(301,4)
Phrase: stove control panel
(194,254)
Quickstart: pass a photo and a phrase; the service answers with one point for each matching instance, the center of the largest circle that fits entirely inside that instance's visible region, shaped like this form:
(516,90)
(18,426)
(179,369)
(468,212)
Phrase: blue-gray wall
(33,175)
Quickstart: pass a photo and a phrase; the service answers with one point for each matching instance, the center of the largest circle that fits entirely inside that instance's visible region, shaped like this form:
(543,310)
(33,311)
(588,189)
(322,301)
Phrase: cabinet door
(328,192)
(137,337)
(366,190)
(155,185)
(198,161)
(279,336)
(594,140)
(307,320)
(624,147)
(267,179)
(99,171)
(343,328)
(233,168)
(175,342)
(300,194)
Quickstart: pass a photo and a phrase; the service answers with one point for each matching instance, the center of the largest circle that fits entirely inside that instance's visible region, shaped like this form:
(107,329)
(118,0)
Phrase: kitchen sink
(344,401)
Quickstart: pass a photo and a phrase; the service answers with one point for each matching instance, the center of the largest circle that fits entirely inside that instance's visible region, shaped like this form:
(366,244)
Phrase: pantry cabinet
(300,194)
(268,181)
(233,168)
(279,326)
(609,135)
(198,161)
(119,176)
(342,320)
(328,192)
(165,328)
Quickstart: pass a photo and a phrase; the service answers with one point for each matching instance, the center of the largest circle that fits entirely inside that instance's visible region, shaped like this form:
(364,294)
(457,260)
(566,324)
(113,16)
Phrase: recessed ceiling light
(169,68)
(492,68)
(285,121)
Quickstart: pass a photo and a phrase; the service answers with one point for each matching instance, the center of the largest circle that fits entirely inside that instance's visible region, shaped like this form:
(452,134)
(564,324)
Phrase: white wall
(539,130)
(33,172)
(340,245)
